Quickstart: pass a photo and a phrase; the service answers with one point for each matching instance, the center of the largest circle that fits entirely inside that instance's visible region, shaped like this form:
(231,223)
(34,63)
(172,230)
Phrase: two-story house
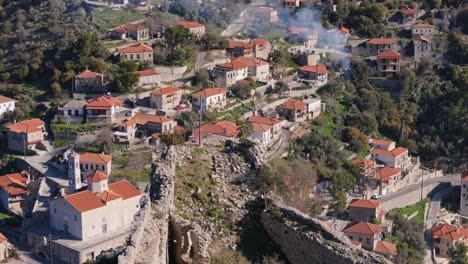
(90,162)
(143,125)
(166,98)
(397,158)
(445,236)
(71,112)
(266,14)
(295,110)
(302,35)
(13,191)
(25,135)
(265,129)
(88,82)
(148,78)
(316,73)
(384,179)
(103,109)
(7,106)
(408,14)
(365,233)
(422,29)
(134,31)
(195,28)
(388,63)
(422,47)
(210,98)
(291,5)
(365,210)
(139,52)
(257,69)
(225,129)
(228,74)
(257,48)
(377,45)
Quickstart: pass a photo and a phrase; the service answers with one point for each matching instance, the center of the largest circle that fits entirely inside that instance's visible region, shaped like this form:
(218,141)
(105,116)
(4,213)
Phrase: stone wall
(306,240)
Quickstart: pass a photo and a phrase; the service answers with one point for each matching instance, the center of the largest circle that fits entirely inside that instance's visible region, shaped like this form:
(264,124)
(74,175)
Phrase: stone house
(365,210)
(71,112)
(291,5)
(222,128)
(397,158)
(316,73)
(365,233)
(386,249)
(210,98)
(445,236)
(257,48)
(166,98)
(303,35)
(195,28)
(384,179)
(267,14)
(25,135)
(7,106)
(91,162)
(148,78)
(101,214)
(423,30)
(257,69)
(88,82)
(408,14)
(228,74)
(143,125)
(388,63)
(375,46)
(464,194)
(139,52)
(103,109)
(13,192)
(422,48)
(134,31)
(297,111)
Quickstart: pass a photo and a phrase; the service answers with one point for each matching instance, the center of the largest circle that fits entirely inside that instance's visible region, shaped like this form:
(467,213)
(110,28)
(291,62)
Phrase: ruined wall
(306,240)
(148,239)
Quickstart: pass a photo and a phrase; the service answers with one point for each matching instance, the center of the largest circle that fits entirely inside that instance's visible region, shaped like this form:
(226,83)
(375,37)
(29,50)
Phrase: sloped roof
(96,158)
(3,238)
(297,30)
(264,10)
(167,90)
(97,176)
(259,42)
(386,248)
(363,163)
(4,99)
(259,127)
(27,126)
(264,120)
(343,30)
(190,24)
(388,54)
(382,142)
(384,173)
(235,65)
(251,62)
(124,189)
(294,105)
(107,196)
(130,27)
(358,203)
(320,69)
(394,153)
(103,103)
(88,74)
(84,201)
(222,128)
(14,184)
(422,25)
(137,48)
(143,119)
(239,44)
(363,228)
(382,41)
(449,232)
(147,73)
(210,92)
(464,176)
(407,11)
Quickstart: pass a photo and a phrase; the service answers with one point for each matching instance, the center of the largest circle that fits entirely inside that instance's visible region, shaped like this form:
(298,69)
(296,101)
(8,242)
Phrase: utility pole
(422,184)
(51,251)
(200,113)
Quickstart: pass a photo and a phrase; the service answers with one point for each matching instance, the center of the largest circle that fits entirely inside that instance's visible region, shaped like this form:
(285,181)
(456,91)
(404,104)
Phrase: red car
(180,107)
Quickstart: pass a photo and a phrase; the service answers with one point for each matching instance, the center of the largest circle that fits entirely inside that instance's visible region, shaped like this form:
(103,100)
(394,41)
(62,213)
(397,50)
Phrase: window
(55,210)
(86,166)
(76,218)
(102,167)
(104,228)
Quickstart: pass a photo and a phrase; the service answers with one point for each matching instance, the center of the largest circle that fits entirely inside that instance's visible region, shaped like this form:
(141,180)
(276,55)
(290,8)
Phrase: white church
(94,216)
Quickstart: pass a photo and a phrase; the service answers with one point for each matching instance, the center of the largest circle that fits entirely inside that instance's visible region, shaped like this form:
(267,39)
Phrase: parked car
(376,196)
(181,107)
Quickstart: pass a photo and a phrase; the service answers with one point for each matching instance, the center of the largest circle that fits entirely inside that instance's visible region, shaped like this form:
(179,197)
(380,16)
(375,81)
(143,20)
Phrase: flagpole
(200,113)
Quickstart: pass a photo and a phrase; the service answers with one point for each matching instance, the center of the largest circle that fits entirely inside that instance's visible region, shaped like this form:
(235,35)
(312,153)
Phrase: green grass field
(410,209)
(110,18)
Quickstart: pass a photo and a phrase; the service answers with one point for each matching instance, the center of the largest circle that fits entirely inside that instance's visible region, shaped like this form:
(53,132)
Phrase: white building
(90,162)
(265,129)
(7,106)
(149,78)
(71,112)
(386,152)
(210,98)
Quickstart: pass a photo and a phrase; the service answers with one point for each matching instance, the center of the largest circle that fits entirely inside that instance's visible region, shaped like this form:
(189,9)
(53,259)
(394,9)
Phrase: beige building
(195,28)
(139,52)
(71,112)
(166,98)
(424,30)
(7,106)
(134,31)
(388,63)
(267,14)
(210,98)
(148,78)
(445,236)
(142,126)
(385,179)
(365,233)
(397,158)
(25,135)
(257,69)
(305,36)
(257,48)
(88,82)
(365,210)
(299,110)
(91,162)
(316,73)
(230,73)
(386,249)
(13,191)
(103,109)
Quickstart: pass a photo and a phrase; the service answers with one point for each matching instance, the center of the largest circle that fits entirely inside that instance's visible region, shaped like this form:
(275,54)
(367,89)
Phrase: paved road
(236,26)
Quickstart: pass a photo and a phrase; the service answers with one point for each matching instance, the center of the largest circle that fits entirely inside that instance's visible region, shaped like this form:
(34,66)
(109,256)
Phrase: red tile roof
(384,173)
(464,176)
(251,62)
(344,30)
(190,24)
(235,65)
(103,103)
(107,196)
(294,105)
(97,176)
(14,184)
(259,127)
(147,73)
(27,126)
(358,203)
(143,119)
(297,30)
(263,120)
(4,99)
(137,48)
(260,42)
(363,163)
(407,11)
(3,238)
(382,41)
(388,54)
(167,90)
(222,128)
(394,153)
(422,25)
(88,74)
(96,158)
(363,228)
(210,92)
(449,232)
(356,243)
(386,248)
(381,142)
(319,69)
(239,44)
(124,189)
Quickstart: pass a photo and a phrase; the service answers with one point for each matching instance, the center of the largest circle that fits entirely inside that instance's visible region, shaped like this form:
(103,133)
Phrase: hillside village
(180,131)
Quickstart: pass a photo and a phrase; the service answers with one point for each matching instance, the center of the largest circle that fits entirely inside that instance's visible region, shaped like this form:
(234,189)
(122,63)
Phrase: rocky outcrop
(307,240)
(149,237)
